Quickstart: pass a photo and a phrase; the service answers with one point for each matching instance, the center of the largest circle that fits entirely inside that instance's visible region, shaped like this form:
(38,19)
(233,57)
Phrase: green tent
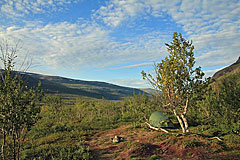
(158,119)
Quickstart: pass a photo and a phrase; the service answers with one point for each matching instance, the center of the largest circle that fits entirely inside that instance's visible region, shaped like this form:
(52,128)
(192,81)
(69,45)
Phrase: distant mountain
(96,89)
(93,89)
(150,91)
(232,69)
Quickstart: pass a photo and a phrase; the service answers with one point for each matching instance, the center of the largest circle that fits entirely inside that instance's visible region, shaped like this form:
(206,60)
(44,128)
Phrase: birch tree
(176,78)
(19,106)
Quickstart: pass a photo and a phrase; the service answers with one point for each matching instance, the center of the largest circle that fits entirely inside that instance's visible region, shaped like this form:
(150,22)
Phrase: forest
(205,113)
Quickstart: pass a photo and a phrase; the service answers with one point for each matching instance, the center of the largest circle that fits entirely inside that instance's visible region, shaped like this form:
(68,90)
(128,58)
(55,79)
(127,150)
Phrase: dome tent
(158,119)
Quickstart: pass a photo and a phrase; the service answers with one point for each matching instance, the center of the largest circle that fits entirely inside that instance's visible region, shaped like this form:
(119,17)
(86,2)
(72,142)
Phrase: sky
(114,40)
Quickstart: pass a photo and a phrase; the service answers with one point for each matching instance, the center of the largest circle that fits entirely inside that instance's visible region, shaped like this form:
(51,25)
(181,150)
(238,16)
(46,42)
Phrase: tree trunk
(180,121)
(3,145)
(18,143)
(18,151)
(185,123)
(14,146)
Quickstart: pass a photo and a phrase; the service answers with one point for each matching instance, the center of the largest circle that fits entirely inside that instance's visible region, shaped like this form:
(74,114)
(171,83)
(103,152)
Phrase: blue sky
(114,40)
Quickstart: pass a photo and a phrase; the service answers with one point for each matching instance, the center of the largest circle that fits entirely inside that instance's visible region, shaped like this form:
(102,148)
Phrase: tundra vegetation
(59,127)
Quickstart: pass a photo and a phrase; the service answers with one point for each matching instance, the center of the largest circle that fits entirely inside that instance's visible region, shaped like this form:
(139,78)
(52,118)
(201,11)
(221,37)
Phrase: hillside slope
(234,68)
(92,89)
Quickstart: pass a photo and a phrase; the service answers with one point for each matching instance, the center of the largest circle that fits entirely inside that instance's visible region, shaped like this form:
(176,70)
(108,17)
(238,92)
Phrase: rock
(117,139)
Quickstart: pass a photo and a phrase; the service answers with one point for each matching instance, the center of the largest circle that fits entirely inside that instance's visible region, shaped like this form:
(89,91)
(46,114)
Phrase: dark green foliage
(220,106)
(225,104)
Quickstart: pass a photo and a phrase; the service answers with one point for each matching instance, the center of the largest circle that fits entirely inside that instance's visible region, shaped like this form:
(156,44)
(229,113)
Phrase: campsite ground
(142,143)
(83,130)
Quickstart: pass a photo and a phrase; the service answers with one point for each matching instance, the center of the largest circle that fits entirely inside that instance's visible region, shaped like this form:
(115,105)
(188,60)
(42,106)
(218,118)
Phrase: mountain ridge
(91,89)
(235,67)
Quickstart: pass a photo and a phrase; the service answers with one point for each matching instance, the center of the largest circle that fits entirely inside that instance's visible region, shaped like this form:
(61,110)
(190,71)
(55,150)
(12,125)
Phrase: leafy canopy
(176,76)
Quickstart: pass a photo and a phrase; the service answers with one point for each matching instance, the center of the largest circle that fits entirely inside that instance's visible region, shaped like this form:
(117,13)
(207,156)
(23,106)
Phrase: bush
(219,106)
(58,152)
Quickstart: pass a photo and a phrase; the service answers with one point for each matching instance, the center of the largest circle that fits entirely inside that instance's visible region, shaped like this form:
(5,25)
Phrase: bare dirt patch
(144,143)
(103,148)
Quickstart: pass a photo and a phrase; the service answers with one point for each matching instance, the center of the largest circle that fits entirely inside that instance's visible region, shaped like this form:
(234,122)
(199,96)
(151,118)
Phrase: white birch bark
(180,121)
(185,123)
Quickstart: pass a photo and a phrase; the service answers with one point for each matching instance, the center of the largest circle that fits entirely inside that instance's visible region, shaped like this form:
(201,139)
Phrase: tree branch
(155,128)
(185,107)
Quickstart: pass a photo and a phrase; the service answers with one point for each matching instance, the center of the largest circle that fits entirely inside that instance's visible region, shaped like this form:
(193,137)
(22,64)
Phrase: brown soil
(143,143)
(134,139)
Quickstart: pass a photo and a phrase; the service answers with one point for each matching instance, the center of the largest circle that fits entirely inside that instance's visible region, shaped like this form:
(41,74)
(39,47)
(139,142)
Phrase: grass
(68,130)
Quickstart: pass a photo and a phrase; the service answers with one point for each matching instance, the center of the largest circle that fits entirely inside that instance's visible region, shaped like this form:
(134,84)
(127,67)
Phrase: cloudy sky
(114,40)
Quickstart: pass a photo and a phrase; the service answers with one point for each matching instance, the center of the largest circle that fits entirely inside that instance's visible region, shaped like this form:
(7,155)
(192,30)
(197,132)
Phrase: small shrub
(58,152)
(193,143)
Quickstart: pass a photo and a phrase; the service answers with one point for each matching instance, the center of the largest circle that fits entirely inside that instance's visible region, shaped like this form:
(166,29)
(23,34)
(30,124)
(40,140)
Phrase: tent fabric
(158,119)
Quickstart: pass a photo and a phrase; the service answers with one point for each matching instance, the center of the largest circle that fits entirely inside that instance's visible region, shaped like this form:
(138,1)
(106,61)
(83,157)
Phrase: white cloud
(20,8)
(117,11)
(213,25)
(59,45)
(214,28)
(73,46)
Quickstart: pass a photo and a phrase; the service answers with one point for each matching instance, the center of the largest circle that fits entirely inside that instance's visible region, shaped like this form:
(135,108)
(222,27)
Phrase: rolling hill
(100,90)
(73,87)
(232,69)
